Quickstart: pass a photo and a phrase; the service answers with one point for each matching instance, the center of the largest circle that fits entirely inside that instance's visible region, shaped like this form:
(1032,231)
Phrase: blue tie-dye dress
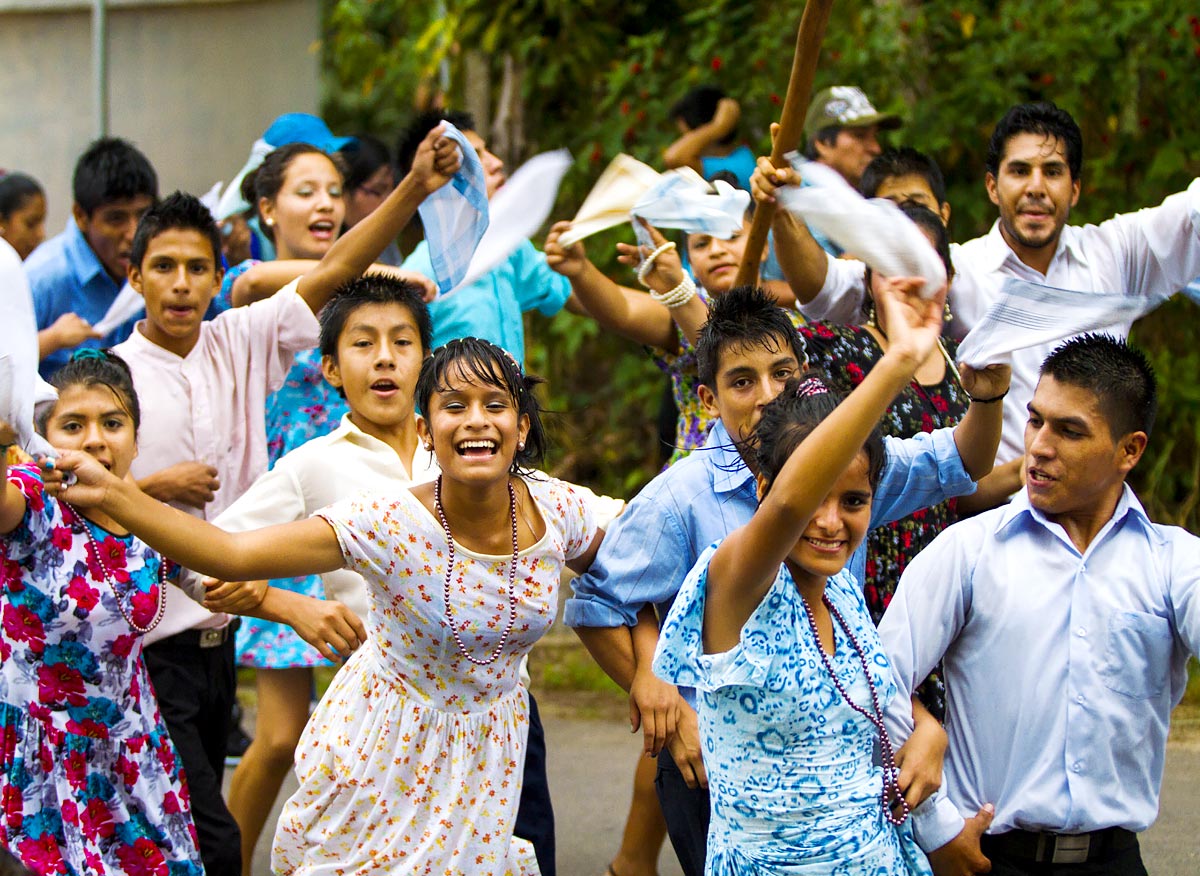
(792,778)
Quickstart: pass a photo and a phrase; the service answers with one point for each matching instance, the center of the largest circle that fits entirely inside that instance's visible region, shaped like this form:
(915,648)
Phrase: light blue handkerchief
(455,217)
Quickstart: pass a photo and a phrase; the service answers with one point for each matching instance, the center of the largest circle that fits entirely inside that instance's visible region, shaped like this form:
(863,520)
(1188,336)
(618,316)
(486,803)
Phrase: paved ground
(591,767)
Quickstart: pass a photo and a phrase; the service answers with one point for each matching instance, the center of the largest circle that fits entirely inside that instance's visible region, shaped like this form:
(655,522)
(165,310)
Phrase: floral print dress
(846,353)
(412,761)
(89,781)
(304,407)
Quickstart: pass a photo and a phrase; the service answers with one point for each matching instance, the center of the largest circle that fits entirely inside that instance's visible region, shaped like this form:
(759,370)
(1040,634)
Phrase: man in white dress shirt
(1034,162)
(1064,621)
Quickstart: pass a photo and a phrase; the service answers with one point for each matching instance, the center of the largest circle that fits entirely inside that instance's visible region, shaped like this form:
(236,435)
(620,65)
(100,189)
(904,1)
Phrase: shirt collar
(84,261)
(423,466)
(729,471)
(1020,510)
(997,251)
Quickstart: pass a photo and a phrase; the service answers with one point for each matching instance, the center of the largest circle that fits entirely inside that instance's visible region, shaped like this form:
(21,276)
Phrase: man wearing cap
(841,130)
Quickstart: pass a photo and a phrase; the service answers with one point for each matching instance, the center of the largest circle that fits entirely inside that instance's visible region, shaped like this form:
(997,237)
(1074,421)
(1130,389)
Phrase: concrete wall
(193,84)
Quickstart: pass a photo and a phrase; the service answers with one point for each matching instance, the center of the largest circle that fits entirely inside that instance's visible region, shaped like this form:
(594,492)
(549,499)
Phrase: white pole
(100,65)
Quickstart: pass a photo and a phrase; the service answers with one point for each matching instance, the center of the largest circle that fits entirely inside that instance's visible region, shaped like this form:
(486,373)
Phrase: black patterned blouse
(846,353)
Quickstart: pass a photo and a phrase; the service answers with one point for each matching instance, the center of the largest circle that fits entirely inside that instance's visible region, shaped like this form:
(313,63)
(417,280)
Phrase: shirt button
(1081,632)
(1077,766)
(1079,699)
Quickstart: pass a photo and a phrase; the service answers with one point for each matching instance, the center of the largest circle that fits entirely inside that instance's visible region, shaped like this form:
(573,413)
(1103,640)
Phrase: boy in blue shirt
(75,276)
(746,352)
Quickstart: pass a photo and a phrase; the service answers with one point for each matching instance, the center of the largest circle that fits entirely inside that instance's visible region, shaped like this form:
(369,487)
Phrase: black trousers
(535,813)
(196,688)
(686,813)
(1127,862)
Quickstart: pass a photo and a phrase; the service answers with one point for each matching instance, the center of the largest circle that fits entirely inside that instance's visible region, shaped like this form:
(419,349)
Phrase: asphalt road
(591,763)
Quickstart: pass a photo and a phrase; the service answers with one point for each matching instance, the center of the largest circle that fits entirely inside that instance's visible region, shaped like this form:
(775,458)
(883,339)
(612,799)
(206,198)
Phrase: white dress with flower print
(412,761)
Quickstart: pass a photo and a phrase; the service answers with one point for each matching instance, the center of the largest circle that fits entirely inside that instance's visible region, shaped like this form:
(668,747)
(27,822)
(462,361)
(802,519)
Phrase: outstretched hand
(437,160)
(570,261)
(667,271)
(92,483)
(914,323)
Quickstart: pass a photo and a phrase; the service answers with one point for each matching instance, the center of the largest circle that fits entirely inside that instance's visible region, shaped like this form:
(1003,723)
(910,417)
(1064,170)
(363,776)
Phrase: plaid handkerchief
(455,217)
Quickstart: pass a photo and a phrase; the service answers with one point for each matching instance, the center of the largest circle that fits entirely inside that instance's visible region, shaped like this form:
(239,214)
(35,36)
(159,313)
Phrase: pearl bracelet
(649,262)
(677,297)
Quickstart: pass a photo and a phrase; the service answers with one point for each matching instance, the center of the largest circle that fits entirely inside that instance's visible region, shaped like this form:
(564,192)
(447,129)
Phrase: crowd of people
(302,451)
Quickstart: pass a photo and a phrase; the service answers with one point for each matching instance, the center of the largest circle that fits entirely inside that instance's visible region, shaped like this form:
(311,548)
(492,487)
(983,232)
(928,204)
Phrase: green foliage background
(598,76)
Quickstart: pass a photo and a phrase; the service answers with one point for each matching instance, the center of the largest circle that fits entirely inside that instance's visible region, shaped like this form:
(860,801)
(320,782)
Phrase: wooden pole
(791,123)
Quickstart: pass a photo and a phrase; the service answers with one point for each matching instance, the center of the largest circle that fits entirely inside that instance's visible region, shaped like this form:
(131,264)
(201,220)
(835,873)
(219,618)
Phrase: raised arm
(978,433)
(436,161)
(627,312)
(266,278)
(688,149)
(302,548)
(744,566)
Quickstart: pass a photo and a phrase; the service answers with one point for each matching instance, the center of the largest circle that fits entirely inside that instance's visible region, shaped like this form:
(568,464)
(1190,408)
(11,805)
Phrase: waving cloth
(611,199)
(1028,315)
(874,231)
(455,216)
(682,199)
(519,209)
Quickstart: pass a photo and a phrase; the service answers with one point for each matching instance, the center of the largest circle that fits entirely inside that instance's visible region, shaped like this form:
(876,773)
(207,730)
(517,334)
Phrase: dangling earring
(947,316)
(870,305)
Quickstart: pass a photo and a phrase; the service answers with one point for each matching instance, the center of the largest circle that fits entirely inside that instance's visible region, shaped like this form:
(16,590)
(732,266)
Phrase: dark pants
(686,813)
(196,688)
(535,814)
(1127,862)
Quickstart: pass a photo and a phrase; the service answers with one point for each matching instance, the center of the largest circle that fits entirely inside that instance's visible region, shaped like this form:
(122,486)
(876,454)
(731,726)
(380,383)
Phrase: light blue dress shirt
(65,276)
(491,307)
(1061,668)
(652,546)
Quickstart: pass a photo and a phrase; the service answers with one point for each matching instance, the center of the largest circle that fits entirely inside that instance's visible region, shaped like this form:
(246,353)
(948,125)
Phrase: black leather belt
(1060,848)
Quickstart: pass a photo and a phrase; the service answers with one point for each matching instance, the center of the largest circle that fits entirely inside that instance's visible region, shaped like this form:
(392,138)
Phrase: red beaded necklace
(892,795)
(112,585)
(512,576)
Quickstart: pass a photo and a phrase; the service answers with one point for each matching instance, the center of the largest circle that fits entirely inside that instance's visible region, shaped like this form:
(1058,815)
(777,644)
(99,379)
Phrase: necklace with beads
(892,795)
(512,576)
(112,584)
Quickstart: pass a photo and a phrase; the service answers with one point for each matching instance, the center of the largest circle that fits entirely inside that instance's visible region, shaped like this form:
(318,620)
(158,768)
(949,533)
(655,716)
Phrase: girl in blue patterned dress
(89,780)
(774,634)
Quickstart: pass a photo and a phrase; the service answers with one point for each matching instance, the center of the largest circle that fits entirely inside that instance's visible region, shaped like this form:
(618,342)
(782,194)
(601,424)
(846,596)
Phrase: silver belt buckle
(212,637)
(1071,848)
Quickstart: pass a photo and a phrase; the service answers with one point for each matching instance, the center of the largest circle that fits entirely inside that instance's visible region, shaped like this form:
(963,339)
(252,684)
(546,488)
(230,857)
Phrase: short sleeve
(42,520)
(224,299)
(374,532)
(767,636)
(570,510)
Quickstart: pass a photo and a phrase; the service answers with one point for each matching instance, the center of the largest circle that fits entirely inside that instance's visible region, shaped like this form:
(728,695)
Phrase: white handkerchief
(125,306)
(874,231)
(683,200)
(519,209)
(1027,315)
(611,199)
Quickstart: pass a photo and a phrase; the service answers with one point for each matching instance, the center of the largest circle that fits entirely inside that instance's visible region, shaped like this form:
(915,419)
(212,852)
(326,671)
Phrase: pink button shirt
(210,405)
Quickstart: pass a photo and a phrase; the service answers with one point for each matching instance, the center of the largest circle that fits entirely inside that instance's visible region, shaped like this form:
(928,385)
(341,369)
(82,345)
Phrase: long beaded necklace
(891,794)
(512,576)
(112,584)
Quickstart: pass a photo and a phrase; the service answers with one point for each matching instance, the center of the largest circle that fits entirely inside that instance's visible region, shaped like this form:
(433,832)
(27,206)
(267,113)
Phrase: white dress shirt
(1153,253)
(1061,668)
(337,466)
